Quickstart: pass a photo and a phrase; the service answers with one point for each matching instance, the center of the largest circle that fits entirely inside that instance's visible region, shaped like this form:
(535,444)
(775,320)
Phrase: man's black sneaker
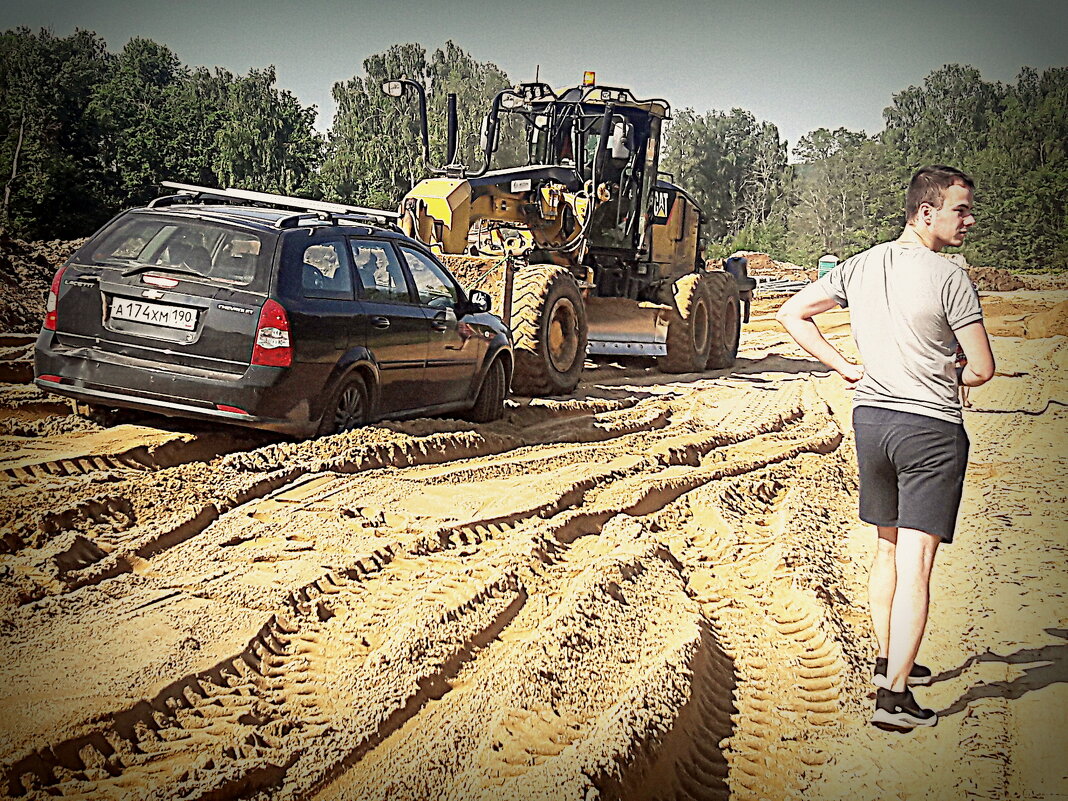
(900,712)
(919,676)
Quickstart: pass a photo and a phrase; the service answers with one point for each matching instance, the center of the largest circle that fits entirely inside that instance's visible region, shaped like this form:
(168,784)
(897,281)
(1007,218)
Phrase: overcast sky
(802,65)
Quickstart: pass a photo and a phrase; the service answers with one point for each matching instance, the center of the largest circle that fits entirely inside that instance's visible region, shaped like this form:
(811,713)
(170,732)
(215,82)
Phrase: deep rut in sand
(640,592)
(345,601)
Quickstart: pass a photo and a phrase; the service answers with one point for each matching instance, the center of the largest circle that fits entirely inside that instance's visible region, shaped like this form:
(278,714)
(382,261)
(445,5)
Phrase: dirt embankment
(986,279)
(26,270)
(764,266)
(991,279)
(653,589)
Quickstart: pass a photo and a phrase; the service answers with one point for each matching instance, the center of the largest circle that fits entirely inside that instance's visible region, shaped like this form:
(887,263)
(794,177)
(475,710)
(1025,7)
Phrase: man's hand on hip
(852,372)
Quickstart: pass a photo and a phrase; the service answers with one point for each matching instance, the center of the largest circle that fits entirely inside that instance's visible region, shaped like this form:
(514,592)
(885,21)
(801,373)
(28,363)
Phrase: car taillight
(222,407)
(53,298)
(272,347)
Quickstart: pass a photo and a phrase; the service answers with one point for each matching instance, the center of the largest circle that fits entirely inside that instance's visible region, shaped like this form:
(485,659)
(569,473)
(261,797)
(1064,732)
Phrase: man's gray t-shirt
(905,302)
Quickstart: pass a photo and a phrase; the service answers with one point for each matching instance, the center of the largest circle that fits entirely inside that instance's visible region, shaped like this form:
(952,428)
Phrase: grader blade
(624,327)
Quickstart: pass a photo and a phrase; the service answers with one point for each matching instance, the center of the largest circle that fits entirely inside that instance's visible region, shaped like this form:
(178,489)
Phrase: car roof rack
(330,212)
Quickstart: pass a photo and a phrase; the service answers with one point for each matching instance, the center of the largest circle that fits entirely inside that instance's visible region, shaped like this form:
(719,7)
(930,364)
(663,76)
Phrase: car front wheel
(489,405)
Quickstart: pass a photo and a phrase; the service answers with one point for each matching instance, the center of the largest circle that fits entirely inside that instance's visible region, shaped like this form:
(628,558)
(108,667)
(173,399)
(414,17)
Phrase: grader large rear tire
(689,334)
(726,320)
(548,331)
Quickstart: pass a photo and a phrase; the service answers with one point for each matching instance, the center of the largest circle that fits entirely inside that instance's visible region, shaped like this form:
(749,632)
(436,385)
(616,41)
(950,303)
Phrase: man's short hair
(929,185)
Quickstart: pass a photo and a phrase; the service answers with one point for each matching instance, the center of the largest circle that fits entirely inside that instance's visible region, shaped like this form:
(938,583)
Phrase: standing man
(909,309)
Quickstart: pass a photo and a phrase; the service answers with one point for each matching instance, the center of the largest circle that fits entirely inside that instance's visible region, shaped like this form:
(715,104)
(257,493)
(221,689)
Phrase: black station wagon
(267,311)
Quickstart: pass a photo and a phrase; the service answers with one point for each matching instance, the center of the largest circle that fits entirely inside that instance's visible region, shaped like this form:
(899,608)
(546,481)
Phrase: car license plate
(154,314)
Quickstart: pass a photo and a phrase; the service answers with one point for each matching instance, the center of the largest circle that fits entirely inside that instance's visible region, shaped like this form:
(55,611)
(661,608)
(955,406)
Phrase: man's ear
(926,213)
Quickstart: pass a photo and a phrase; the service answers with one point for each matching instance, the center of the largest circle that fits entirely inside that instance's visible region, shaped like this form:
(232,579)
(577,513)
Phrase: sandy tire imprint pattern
(574,602)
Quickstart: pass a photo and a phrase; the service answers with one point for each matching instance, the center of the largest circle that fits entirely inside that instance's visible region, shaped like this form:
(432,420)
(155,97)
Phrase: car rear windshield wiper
(111,261)
(141,268)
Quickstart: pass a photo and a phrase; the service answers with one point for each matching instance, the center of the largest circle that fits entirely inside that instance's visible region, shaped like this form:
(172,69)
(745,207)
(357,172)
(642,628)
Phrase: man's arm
(796,315)
(976,346)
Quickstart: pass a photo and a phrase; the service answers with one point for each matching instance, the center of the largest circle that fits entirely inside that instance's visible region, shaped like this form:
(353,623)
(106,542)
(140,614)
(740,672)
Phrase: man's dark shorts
(911,470)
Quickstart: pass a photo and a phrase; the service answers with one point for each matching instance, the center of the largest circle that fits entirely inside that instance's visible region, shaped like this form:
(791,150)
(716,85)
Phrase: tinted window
(324,271)
(380,274)
(212,251)
(431,282)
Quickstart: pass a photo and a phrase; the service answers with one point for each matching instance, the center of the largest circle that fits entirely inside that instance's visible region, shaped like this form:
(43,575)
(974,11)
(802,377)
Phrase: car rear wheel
(349,408)
(489,405)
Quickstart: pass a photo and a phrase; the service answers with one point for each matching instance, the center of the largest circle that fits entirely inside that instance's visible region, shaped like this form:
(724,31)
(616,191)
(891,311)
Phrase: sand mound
(26,270)
(763,265)
(1025,316)
(478,272)
(1050,323)
(991,279)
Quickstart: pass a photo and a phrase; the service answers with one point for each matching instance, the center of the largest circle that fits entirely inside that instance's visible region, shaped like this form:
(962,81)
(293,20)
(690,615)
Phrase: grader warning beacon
(587,248)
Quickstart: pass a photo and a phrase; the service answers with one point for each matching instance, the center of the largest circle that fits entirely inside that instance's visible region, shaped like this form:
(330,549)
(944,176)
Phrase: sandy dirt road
(654,589)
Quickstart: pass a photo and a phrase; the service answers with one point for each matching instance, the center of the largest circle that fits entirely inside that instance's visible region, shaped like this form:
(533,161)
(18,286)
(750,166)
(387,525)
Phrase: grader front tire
(548,330)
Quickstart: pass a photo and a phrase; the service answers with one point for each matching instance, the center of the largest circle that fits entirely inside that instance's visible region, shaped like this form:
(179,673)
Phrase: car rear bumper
(258,397)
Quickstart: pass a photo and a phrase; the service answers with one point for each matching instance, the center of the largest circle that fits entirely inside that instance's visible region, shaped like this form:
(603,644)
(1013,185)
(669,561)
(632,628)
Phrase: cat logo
(660,205)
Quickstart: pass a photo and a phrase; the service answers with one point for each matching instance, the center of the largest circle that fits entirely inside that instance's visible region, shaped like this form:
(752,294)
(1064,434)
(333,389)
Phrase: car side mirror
(479,301)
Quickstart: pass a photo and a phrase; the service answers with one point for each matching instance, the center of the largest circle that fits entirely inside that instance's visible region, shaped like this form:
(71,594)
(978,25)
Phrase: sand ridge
(653,589)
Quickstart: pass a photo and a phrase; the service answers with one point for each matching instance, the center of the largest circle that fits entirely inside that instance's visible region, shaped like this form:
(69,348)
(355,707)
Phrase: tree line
(87,132)
(844,190)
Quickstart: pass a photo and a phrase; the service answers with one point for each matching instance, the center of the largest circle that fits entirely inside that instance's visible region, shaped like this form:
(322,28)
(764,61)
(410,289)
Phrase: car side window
(381,274)
(431,282)
(325,272)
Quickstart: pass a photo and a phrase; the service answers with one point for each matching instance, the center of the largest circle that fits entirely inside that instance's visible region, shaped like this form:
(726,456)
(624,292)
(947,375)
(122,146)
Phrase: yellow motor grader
(587,248)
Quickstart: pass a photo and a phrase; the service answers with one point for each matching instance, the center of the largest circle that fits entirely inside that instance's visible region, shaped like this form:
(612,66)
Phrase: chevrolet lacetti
(261,310)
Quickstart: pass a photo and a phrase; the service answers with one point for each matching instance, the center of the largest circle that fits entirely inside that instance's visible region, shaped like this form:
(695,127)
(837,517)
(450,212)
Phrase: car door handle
(439,325)
(380,322)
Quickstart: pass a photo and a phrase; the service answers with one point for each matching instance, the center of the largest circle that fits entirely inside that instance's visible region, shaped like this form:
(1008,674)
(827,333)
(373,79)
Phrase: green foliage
(846,190)
(373,148)
(52,180)
(945,120)
(846,194)
(134,113)
(267,140)
(474,83)
(85,132)
(374,151)
(1012,140)
(731,164)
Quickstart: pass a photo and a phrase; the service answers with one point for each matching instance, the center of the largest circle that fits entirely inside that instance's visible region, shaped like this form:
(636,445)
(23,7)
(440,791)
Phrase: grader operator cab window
(619,140)
(537,138)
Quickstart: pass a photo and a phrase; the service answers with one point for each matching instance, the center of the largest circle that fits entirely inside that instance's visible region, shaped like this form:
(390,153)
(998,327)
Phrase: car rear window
(216,252)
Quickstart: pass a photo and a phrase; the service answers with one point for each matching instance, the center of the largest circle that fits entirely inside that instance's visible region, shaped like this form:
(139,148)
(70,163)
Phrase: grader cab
(587,247)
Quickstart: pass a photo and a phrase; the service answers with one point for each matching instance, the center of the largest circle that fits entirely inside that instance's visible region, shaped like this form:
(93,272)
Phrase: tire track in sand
(93,537)
(563,643)
(238,728)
